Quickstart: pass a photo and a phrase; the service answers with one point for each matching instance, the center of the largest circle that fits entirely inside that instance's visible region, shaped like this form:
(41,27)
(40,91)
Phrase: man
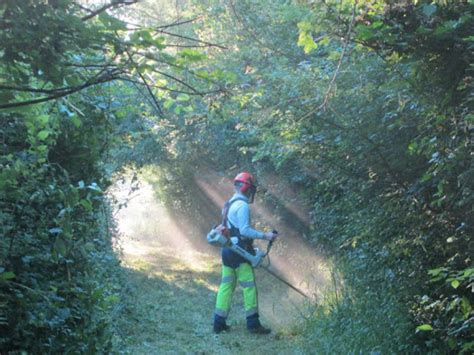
(236,268)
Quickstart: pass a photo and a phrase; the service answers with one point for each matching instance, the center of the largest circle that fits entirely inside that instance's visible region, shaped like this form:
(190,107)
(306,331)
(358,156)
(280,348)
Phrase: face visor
(247,189)
(252,190)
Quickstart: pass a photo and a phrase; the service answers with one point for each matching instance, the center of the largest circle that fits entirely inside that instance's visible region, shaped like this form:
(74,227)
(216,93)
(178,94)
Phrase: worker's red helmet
(248,182)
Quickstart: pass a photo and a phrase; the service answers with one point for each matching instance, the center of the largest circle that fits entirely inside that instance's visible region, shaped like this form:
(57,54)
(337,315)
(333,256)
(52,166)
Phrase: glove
(270,236)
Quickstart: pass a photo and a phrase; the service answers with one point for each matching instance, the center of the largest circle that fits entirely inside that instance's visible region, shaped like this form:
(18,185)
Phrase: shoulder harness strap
(227,208)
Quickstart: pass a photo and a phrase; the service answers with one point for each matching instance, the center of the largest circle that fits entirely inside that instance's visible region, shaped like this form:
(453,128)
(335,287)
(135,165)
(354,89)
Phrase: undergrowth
(347,321)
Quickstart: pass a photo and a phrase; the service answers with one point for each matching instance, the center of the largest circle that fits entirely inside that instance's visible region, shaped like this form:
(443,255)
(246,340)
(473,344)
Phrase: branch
(38,292)
(186,46)
(179,81)
(84,8)
(155,101)
(103,79)
(113,4)
(168,88)
(176,22)
(76,65)
(162,61)
(160,27)
(168,75)
(29,89)
(180,23)
(338,68)
(208,44)
(255,37)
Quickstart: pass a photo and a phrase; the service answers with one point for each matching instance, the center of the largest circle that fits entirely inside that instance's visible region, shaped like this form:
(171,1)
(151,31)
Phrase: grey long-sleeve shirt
(239,216)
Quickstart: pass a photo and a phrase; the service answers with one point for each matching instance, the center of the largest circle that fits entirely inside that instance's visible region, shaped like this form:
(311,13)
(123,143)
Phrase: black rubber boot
(254,326)
(218,328)
(220,324)
(260,330)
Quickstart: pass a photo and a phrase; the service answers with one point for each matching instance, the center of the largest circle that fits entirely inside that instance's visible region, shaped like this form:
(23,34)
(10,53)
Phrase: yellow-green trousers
(245,276)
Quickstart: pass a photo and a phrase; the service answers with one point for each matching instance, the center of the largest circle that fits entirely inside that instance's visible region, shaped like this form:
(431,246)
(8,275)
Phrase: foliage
(57,288)
(347,317)
(71,77)
(365,106)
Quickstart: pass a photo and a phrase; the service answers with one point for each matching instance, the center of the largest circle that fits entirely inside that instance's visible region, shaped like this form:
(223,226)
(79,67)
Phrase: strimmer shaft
(285,282)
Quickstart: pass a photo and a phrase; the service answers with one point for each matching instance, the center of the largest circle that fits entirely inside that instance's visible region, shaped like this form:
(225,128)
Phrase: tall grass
(351,319)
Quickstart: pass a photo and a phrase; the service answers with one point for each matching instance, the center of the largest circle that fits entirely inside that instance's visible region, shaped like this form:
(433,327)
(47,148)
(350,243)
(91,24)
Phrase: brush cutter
(216,238)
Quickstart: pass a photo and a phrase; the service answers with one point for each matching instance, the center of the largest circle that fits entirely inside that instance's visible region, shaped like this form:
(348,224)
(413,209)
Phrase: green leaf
(468,272)
(86,204)
(467,347)
(168,103)
(306,41)
(42,135)
(112,299)
(466,307)
(192,54)
(413,148)
(325,41)
(159,42)
(455,283)
(8,275)
(438,271)
(364,33)
(43,120)
(376,24)
(304,26)
(76,122)
(424,327)
(183,97)
(142,38)
(112,22)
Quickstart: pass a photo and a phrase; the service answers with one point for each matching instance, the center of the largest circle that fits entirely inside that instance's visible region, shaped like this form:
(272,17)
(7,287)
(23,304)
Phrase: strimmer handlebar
(255,260)
(215,237)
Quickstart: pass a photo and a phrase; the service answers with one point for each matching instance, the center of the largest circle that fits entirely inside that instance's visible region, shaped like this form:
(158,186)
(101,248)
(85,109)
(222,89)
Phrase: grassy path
(172,286)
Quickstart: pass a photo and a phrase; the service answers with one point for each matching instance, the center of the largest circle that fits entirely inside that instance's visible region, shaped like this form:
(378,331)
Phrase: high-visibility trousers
(245,276)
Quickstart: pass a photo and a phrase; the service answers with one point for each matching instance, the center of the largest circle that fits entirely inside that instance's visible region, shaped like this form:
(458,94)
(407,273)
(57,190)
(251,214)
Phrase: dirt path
(174,276)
